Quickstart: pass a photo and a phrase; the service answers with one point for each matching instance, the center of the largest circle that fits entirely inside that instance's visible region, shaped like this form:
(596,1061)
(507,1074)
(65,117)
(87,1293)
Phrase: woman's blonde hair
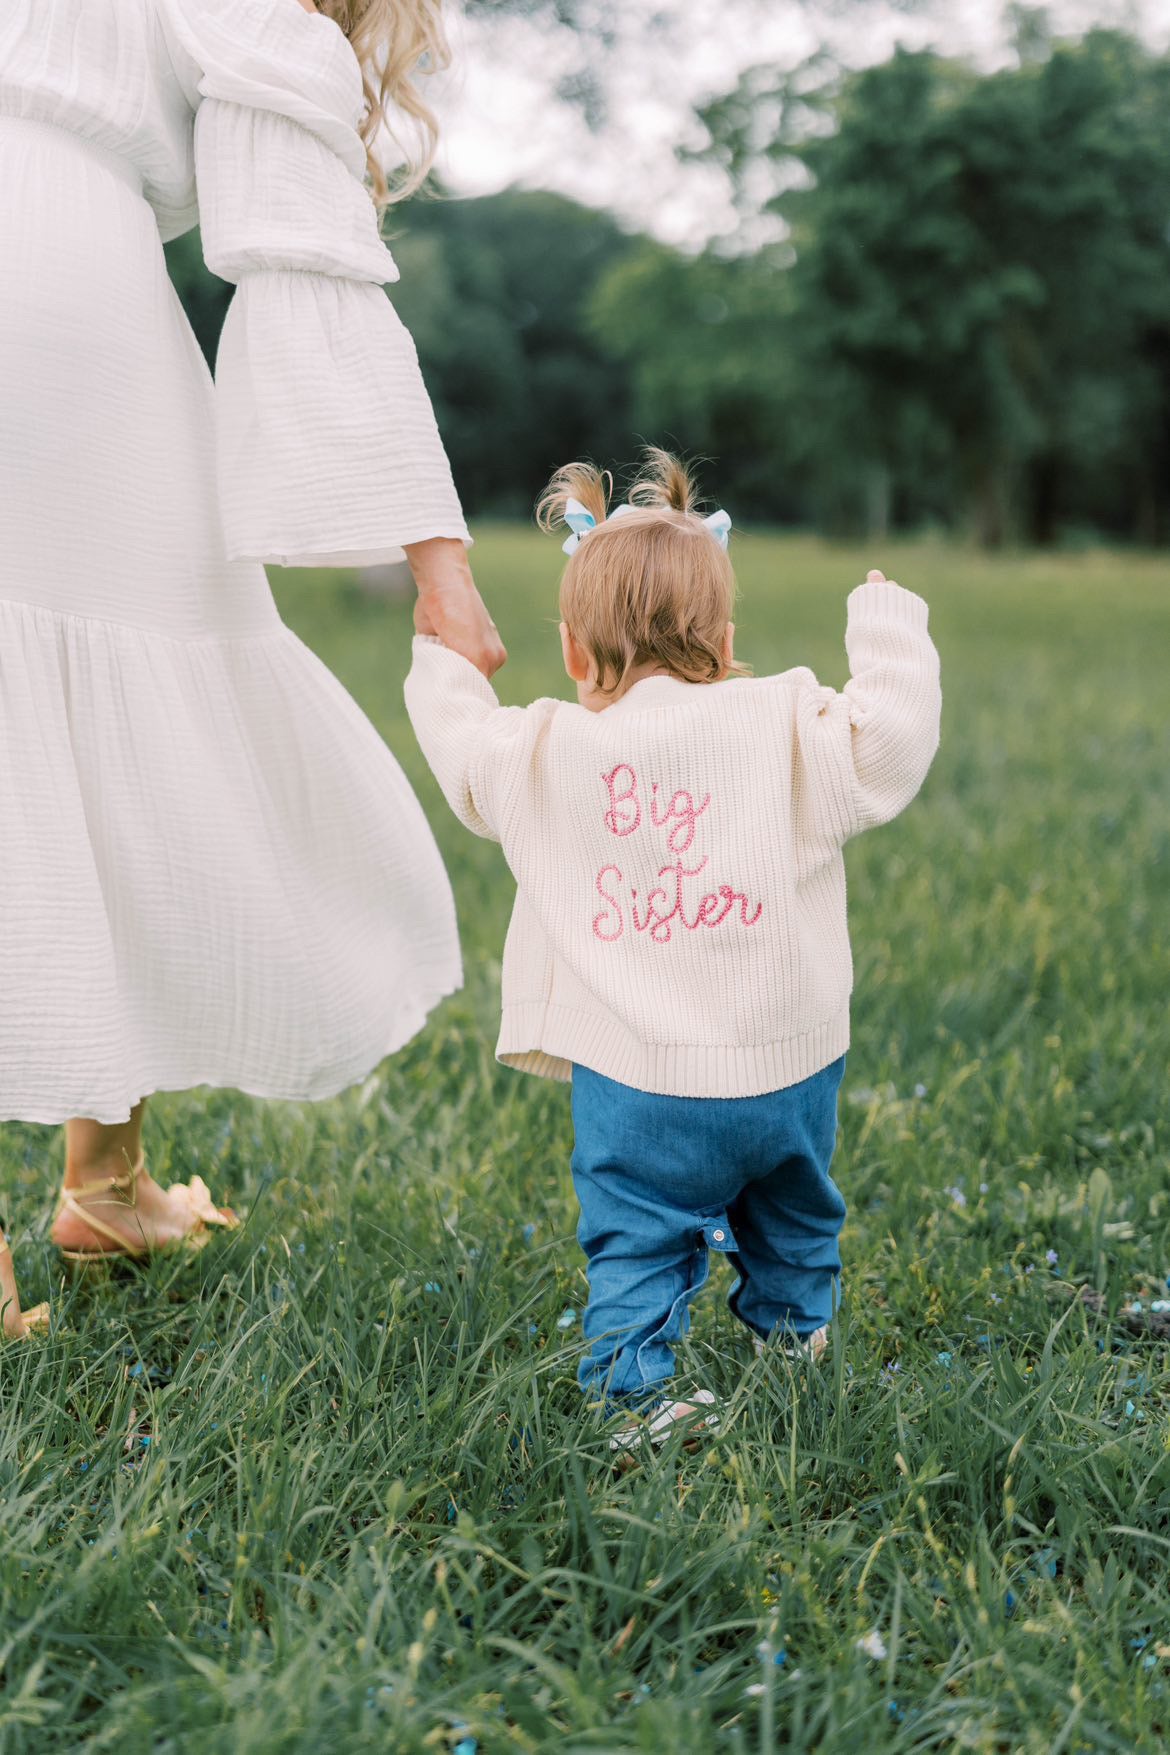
(651,587)
(391,39)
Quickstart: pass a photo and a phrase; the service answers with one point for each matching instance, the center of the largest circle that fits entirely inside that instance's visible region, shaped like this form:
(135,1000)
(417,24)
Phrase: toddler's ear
(576,663)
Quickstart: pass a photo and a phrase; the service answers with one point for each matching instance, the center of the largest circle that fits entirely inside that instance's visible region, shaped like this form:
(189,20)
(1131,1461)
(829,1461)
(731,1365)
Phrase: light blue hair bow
(581,521)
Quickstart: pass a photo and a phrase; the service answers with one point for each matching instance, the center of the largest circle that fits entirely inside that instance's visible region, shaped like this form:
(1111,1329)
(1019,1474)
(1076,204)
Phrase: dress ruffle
(213,871)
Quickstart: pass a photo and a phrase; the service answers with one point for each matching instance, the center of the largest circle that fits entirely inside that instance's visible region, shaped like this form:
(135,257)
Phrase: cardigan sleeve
(328,451)
(478,751)
(862,754)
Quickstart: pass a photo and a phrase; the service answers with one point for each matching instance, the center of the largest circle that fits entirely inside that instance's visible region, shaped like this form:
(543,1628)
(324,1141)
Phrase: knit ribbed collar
(658,691)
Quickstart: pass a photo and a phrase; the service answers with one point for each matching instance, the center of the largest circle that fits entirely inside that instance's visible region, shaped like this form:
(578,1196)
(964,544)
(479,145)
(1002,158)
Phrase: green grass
(332,1484)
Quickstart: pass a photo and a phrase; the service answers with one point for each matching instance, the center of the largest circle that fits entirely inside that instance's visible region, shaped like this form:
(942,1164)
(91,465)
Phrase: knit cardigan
(680,923)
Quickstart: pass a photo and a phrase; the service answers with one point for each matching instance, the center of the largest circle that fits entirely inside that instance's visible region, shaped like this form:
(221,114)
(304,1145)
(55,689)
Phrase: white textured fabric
(211,868)
(680,911)
(328,449)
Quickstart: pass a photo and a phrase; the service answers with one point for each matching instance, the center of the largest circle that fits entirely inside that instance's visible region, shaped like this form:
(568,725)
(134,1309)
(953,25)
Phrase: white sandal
(798,1347)
(122,1191)
(665,1420)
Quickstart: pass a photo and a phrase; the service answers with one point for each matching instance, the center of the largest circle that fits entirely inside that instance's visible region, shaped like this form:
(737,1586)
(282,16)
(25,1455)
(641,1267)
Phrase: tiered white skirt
(212,871)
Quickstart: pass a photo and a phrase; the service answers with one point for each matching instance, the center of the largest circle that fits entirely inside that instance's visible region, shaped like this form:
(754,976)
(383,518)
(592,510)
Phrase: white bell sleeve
(328,452)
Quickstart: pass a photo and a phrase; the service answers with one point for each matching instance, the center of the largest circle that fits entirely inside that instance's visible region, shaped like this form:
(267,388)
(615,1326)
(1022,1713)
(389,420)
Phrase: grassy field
(332,1483)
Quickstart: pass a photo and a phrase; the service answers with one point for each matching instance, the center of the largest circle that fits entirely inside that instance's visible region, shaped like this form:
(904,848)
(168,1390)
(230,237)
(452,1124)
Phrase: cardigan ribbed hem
(550,1040)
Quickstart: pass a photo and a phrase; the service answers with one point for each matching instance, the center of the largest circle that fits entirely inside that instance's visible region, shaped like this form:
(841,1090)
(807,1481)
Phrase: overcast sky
(503,123)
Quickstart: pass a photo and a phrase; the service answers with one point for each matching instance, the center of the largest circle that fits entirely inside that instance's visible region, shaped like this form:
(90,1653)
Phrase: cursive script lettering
(625,809)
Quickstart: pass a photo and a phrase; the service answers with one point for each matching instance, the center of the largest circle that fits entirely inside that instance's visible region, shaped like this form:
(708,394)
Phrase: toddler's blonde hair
(653,587)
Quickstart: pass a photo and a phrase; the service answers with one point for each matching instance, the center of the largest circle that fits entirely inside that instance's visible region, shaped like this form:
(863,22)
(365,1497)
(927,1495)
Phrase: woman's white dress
(212,871)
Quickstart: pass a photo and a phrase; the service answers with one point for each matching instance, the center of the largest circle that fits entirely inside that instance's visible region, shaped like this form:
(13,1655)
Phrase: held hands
(449,606)
(873,577)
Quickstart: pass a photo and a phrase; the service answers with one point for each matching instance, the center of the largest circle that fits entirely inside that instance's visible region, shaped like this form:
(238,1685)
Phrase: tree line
(966,324)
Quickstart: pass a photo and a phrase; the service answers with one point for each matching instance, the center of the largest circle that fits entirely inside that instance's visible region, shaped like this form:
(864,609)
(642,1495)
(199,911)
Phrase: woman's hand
(449,604)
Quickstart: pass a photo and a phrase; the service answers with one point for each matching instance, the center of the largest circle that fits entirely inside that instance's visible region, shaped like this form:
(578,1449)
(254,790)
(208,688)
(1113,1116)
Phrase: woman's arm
(449,605)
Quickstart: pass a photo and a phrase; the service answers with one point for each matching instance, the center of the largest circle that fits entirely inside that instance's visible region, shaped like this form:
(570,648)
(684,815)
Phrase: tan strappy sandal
(35,1320)
(122,1191)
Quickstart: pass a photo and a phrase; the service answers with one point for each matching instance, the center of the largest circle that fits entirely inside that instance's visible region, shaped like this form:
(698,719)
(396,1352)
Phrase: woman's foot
(16,1325)
(125,1212)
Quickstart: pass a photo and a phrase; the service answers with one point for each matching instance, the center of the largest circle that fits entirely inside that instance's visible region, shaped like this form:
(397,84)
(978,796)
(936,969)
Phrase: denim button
(719,1236)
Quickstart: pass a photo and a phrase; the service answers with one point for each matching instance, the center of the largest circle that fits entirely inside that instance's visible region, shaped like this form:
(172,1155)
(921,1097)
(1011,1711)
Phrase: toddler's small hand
(873,577)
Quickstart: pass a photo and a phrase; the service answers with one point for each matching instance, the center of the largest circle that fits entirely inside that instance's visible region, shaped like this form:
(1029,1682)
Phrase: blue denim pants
(663,1180)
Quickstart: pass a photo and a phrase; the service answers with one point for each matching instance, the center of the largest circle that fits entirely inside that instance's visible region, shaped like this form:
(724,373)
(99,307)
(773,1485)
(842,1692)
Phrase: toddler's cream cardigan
(680,912)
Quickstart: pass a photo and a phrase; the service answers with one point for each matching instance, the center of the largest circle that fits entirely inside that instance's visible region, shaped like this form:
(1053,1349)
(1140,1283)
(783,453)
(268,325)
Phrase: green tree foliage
(205,299)
(977,319)
(495,292)
(698,340)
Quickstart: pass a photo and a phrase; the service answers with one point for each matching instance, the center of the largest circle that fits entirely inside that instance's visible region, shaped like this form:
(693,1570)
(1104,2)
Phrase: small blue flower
(433,1286)
(944,1359)
(567,1317)
(465,1746)
(528,1233)
(1051,1256)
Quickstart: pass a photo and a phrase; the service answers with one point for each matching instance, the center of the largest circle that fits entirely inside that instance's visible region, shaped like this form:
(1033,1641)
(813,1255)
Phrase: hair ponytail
(664,481)
(576,481)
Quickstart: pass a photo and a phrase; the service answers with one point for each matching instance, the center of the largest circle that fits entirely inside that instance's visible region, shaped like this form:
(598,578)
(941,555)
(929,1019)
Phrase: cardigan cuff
(883,600)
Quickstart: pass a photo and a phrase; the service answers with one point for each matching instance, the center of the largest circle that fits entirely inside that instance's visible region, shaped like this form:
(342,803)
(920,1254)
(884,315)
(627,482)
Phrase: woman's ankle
(95,1151)
(111,1168)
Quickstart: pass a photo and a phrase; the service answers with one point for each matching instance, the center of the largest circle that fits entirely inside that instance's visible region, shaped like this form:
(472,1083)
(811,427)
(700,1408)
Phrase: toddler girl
(679,945)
